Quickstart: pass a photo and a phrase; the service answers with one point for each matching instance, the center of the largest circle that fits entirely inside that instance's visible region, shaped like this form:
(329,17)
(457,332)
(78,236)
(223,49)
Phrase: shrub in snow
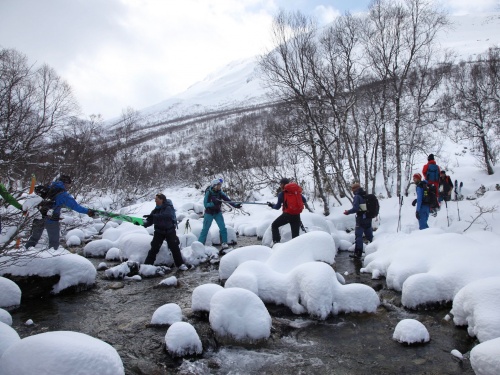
(233,259)
(410,331)
(113,254)
(485,357)
(202,294)
(182,339)
(239,314)
(11,293)
(169,313)
(61,353)
(478,305)
(73,241)
(5,317)
(8,337)
(97,248)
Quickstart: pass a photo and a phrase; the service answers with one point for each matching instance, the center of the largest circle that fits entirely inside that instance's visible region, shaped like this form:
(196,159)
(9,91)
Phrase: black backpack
(372,205)
(48,194)
(430,196)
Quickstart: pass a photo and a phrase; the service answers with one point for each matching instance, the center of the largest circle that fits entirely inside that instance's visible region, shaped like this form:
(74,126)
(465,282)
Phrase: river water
(119,312)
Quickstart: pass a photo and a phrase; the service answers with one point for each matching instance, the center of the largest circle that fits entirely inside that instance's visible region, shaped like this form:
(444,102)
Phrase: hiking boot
(224,246)
(182,267)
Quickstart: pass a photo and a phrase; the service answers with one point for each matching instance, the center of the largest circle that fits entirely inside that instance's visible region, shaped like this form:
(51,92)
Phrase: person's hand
(91,213)
(414,203)
(346,212)
(270,204)
(417,215)
(147,217)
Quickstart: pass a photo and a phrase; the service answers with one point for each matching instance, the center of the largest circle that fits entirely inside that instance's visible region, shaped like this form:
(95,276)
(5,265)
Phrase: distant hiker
(213,211)
(293,203)
(363,220)
(431,172)
(422,202)
(445,187)
(164,220)
(50,210)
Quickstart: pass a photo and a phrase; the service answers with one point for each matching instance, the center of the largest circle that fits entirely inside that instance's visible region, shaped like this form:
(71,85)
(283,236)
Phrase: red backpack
(292,199)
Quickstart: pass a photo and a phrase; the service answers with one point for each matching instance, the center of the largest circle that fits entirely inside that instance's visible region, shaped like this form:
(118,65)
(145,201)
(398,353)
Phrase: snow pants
(173,245)
(283,219)
(53,231)
(207,223)
(424,216)
(363,225)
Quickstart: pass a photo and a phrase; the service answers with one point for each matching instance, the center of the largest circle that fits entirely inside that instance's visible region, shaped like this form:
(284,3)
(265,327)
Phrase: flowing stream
(119,313)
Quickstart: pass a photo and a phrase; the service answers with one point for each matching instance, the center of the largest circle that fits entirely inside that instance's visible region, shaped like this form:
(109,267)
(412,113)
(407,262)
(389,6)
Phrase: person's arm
(278,204)
(424,171)
(206,202)
(355,205)
(420,195)
(70,202)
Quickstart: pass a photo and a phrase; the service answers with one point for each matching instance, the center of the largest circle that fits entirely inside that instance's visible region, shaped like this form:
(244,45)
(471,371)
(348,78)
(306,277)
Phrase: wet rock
(34,286)
(115,285)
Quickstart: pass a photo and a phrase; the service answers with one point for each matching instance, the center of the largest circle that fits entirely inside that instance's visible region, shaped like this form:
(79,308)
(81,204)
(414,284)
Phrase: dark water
(119,312)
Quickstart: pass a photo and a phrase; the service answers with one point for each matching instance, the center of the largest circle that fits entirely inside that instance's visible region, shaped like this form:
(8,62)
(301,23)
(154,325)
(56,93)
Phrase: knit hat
(430,157)
(417,175)
(355,186)
(216,181)
(64,178)
(284,181)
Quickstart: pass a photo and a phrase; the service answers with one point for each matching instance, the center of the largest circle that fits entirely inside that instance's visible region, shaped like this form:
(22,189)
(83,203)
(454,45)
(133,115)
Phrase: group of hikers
(431,191)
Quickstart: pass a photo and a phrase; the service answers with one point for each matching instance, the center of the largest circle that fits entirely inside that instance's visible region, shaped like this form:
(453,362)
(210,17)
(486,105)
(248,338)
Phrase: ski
(456,190)
(129,219)
(460,190)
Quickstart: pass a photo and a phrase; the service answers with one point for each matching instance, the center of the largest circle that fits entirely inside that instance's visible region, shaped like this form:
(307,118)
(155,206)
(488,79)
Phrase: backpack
(292,199)
(372,205)
(432,173)
(430,196)
(48,194)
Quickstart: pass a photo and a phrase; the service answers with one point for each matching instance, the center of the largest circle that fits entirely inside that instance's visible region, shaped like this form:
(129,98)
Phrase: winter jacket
(445,185)
(213,201)
(420,194)
(163,218)
(357,202)
(64,199)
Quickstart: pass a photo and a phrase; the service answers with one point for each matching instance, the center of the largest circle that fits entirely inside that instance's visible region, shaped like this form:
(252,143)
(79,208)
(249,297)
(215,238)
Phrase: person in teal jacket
(213,204)
(51,213)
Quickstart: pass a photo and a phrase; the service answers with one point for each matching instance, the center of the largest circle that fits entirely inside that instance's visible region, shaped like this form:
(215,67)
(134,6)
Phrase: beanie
(430,157)
(216,181)
(355,186)
(284,181)
(417,175)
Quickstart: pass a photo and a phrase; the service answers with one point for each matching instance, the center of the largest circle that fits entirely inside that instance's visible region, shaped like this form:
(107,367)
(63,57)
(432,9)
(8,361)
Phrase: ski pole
(303,227)
(233,202)
(400,206)
(447,217)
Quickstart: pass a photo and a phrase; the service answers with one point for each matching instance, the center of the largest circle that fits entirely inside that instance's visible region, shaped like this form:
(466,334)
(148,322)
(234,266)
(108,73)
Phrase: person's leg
(295,225)
(36,232)
(53,231)
(275,227)
(173,245)
(368,229)
(155,247)
(219,219)
(207,223)
(424,216)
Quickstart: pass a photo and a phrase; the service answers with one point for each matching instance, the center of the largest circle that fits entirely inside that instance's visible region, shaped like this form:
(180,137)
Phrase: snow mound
(410,331)
(11,293)
(182,339)
(202,295)
(169,313)
(5,317)
(8,337)
(485,357)
(61,353)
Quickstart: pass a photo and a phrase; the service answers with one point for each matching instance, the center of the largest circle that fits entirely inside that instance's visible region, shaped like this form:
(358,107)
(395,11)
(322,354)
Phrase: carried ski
(129,219)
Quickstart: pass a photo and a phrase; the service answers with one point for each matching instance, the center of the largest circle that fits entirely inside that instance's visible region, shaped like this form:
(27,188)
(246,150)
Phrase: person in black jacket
(445,187)
(363,223)
(164,220)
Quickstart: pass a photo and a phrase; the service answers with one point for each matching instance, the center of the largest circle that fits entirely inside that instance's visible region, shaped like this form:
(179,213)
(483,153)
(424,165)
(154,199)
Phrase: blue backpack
(432,173)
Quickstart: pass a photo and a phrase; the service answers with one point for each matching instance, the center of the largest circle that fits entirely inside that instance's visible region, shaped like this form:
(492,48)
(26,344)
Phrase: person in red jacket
(431,173)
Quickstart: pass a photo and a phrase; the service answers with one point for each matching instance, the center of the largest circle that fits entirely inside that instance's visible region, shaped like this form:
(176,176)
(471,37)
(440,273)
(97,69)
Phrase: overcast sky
(121,53)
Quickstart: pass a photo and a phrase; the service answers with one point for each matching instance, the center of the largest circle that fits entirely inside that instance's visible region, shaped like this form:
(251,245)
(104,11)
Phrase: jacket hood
(58,184)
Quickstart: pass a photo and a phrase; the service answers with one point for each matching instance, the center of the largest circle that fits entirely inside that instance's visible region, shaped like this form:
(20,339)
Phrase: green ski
(130,219)
(9,198)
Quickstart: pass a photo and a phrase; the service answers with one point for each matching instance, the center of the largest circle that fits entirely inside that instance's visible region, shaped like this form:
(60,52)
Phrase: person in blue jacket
(51,213)
(363,223)
(422,209)
(213,205)
(164,220)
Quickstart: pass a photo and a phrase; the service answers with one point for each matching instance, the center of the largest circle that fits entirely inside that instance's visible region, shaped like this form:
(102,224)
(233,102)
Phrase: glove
(91,213)
(147,217)
(346,212)
(414,203)
(417,215)
(270,204)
